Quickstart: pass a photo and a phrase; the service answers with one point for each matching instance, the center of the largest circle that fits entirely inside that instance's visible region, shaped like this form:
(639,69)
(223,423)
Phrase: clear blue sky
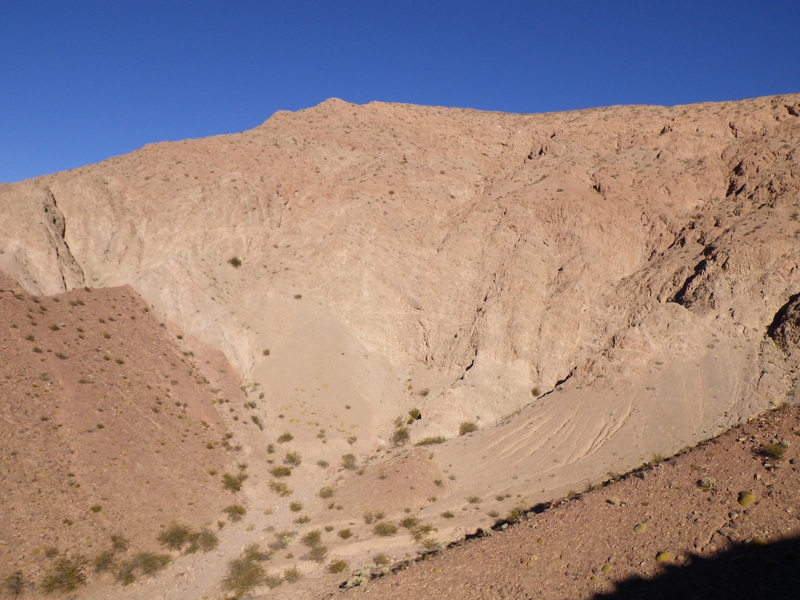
(83,80)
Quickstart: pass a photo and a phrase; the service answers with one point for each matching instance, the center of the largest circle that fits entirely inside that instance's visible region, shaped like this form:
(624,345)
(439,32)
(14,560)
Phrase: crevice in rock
(56,226)
(682,296)
(785,327)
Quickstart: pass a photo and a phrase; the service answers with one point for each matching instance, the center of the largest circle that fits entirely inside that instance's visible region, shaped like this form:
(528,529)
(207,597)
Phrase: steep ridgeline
(636,268)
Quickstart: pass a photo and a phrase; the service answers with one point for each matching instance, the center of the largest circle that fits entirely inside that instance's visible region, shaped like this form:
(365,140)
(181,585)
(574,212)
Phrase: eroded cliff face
(629,259)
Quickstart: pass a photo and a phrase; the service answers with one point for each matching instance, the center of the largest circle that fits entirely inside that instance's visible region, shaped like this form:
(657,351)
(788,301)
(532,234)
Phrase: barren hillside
(435,311)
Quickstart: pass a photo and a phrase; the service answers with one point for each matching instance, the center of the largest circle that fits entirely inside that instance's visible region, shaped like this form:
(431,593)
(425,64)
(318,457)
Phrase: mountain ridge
(586,289)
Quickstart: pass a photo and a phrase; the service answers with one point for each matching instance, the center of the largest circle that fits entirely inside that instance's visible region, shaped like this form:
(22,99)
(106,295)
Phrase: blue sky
(83,80)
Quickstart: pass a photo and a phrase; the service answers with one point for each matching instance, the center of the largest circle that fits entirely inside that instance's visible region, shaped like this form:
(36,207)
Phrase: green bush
(235,262)
(285,437)
(295,506)
(345,534)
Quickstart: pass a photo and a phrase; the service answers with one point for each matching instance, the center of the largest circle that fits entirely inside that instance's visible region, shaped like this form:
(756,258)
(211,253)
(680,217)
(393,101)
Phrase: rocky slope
(107,430)
(585,289)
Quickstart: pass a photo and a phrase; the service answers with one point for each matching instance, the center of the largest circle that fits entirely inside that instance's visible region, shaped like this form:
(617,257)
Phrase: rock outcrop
(636,267)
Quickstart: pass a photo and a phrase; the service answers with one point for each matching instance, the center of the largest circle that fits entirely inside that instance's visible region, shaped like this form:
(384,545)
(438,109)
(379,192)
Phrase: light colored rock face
(637,255)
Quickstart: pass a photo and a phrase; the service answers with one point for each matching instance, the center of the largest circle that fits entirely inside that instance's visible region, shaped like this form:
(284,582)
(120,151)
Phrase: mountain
(473,305)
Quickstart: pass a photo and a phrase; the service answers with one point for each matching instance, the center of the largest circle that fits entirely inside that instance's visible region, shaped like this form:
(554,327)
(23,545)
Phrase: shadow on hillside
(745,572)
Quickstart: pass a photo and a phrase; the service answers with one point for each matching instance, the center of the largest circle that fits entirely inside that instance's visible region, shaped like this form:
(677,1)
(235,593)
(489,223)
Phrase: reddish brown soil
(106,428)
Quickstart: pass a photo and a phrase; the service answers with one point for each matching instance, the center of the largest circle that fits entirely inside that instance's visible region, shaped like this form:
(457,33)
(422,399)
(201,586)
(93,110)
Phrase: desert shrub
(175,536)
(430,545)
(326,492)
(281,540)
(235,512)
(429,441)
(774,451)
(207,540)
(349,461)
(254,552)
(338,566)
(119,543)
(235,262)
(281,471)
(413,415)
(150,563)
(400,436)
(474,500)
(664,557)
(295,506)
(706,483)
(66,575)
(285,437)
(292,575)
(409,522)
(312,538)
(515,514)
(318,553)
(385,528)
(255,419)
(243,575)
(15,584)
(447,515)
(746,499)
(103,562)
(233,482)
(345,534)
(467,427)
(280,488)
(381,560)
(535,391)
(292,458)
(420,532)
